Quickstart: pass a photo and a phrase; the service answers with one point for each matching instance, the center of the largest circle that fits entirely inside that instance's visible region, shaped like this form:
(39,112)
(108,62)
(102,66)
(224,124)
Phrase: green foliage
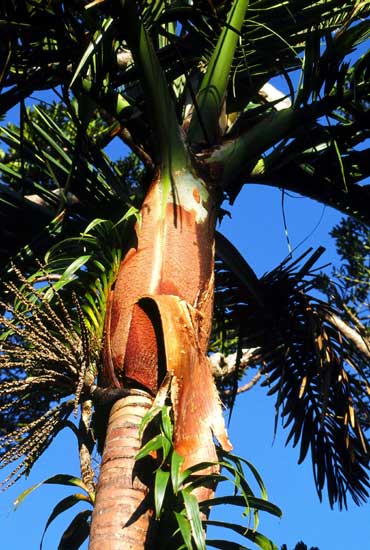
(177,508)
(204,125)
(62,357)
(98,61)
(78,531)
(56,180)
(352,290)
(96,255)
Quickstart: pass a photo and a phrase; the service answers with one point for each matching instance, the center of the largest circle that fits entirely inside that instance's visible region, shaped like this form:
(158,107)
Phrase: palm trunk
(170,264)
(123,516)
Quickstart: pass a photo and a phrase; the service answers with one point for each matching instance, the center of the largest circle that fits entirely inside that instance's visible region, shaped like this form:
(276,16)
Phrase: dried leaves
(315,373)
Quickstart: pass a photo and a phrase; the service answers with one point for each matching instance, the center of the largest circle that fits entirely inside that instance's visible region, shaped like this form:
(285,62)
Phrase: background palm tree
(184,87)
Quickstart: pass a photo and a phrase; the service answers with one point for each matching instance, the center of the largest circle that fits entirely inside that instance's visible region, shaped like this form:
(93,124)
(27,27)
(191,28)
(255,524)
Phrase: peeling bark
(172,253)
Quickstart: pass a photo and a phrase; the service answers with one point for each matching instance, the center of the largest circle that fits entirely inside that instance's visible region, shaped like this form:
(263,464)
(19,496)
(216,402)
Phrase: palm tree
(186,87)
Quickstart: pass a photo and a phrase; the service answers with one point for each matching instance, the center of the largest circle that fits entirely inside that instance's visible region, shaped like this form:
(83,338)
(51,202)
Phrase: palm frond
(316,395)
(275,39)
(95,255)
(311,147)
(54,166)
(53,185)
(312,362)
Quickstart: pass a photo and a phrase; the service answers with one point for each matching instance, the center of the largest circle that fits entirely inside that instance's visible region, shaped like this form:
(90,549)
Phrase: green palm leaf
(271,42)
(50,190)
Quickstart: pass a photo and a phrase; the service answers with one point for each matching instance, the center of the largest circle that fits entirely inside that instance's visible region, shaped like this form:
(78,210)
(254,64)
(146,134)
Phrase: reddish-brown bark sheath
(173,255)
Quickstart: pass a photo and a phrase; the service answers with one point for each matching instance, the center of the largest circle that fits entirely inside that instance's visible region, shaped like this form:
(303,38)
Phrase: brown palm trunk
(170,263)
(123,516)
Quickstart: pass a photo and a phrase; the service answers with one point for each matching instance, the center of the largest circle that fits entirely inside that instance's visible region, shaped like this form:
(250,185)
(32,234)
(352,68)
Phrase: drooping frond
(316,394)
(312,362)
(88,265)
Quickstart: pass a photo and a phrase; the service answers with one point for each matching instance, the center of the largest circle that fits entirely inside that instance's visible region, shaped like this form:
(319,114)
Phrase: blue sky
(257,229)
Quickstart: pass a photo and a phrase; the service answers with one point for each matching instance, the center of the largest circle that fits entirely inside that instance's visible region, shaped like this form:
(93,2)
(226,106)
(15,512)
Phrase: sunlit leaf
(151,446)
(185,528)
(177,476)
(257,538)
(257,503)
(193,514)
(59,479)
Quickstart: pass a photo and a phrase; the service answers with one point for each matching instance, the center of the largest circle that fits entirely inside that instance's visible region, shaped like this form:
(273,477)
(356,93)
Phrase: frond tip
(45,358)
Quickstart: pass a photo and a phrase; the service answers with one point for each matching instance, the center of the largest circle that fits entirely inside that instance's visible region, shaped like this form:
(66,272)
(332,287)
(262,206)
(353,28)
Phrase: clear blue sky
(257,230)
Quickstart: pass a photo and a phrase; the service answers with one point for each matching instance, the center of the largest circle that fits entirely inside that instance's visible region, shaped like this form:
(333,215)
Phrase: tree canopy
(187,88)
